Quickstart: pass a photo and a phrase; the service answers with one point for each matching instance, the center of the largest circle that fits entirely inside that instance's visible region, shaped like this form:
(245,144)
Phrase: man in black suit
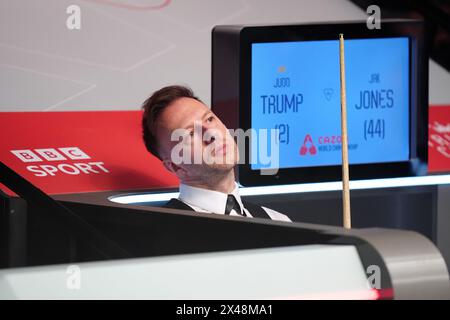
(195,145)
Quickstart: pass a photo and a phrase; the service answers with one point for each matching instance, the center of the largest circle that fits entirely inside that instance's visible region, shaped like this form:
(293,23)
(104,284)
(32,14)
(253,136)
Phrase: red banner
(72,152)
(91,151)
(439,139)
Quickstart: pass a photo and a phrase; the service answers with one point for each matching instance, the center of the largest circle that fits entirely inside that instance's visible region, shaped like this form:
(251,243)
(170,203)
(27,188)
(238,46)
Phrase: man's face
(205,141)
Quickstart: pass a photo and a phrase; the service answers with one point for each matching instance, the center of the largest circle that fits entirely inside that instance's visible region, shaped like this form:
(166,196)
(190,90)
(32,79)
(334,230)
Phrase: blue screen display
(296,89)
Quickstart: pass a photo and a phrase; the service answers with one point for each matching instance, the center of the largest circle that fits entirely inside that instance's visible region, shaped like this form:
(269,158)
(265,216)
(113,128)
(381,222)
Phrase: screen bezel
(418,99)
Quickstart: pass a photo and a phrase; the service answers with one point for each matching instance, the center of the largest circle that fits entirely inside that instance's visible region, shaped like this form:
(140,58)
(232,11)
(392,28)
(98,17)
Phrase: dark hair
(153,106)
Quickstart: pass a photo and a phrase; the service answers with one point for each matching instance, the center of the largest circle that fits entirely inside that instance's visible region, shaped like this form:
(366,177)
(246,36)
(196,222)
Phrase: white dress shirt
(204,200)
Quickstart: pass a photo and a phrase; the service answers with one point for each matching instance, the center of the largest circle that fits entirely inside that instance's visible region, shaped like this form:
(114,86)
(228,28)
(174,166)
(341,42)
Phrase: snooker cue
(345,175)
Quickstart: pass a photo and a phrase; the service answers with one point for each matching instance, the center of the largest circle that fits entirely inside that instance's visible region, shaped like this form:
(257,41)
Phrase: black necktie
(233,204)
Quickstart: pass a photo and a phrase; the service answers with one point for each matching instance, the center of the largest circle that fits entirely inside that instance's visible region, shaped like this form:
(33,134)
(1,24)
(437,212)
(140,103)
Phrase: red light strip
(370,294)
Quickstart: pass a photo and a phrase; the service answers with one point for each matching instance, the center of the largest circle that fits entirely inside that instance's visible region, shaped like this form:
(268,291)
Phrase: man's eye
(211,118)
(191,133)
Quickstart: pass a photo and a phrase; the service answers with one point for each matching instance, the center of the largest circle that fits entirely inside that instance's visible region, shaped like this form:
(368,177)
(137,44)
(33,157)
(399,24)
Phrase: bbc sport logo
(66,154)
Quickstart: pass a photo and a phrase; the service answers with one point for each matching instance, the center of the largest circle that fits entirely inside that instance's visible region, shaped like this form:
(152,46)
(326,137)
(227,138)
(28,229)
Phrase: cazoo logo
(308,146)
(68,154)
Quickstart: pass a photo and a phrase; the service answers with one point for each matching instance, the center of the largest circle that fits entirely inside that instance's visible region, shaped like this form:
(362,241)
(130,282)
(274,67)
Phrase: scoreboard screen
(278,88)
(295,93)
